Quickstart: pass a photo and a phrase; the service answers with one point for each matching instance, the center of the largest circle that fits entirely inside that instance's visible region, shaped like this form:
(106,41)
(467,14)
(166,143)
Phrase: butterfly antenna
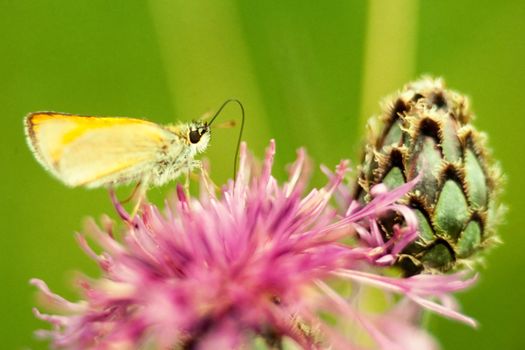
(236,158)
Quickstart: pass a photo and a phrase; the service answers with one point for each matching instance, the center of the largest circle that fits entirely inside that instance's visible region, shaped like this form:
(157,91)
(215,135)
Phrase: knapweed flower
(259,265)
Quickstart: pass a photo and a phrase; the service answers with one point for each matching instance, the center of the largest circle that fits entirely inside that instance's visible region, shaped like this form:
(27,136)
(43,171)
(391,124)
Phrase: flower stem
(390,50)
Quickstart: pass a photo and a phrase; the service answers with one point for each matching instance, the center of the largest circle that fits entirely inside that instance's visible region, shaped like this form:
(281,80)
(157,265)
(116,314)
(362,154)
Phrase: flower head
(258,263)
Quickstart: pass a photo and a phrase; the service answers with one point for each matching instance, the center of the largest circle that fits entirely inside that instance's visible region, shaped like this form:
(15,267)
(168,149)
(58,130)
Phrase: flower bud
(426,130)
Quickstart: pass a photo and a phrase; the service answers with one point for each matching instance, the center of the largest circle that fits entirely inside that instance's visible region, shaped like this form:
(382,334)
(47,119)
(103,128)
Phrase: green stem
(390,50)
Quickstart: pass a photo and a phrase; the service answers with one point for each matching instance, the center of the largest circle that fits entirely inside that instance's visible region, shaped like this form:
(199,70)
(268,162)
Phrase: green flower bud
(426,129)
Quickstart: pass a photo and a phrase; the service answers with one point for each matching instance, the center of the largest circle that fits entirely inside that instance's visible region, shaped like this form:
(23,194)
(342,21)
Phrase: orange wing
(95,151)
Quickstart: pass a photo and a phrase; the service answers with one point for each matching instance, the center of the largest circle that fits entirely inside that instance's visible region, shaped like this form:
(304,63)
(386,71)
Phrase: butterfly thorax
(178,157)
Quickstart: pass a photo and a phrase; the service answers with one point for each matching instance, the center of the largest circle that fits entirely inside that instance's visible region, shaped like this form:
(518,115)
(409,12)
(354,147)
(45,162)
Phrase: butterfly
(109,151)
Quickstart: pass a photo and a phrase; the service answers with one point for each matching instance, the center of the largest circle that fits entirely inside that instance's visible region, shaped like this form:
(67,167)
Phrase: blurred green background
(308,73)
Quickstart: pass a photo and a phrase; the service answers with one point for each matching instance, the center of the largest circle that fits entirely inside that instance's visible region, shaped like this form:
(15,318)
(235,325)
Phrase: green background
(308,73)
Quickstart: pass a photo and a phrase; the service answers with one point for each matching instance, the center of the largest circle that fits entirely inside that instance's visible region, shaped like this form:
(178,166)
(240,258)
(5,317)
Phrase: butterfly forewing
(95,151)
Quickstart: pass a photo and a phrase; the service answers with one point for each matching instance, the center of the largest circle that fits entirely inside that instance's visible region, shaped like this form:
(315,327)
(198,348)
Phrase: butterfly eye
(195,136)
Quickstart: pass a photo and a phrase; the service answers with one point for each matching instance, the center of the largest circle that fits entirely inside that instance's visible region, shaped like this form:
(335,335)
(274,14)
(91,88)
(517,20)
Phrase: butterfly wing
(93,151)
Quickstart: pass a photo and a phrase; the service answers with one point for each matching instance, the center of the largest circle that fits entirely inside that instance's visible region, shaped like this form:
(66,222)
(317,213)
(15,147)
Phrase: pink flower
(260,263)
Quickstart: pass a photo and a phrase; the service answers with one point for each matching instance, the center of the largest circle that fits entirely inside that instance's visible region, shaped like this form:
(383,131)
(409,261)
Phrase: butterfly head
(198,135)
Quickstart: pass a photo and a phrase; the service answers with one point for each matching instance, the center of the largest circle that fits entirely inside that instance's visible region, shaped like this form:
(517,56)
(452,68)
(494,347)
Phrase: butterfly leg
(140,193)
(187,182)
(193,164)
(206,181)
(133,194)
